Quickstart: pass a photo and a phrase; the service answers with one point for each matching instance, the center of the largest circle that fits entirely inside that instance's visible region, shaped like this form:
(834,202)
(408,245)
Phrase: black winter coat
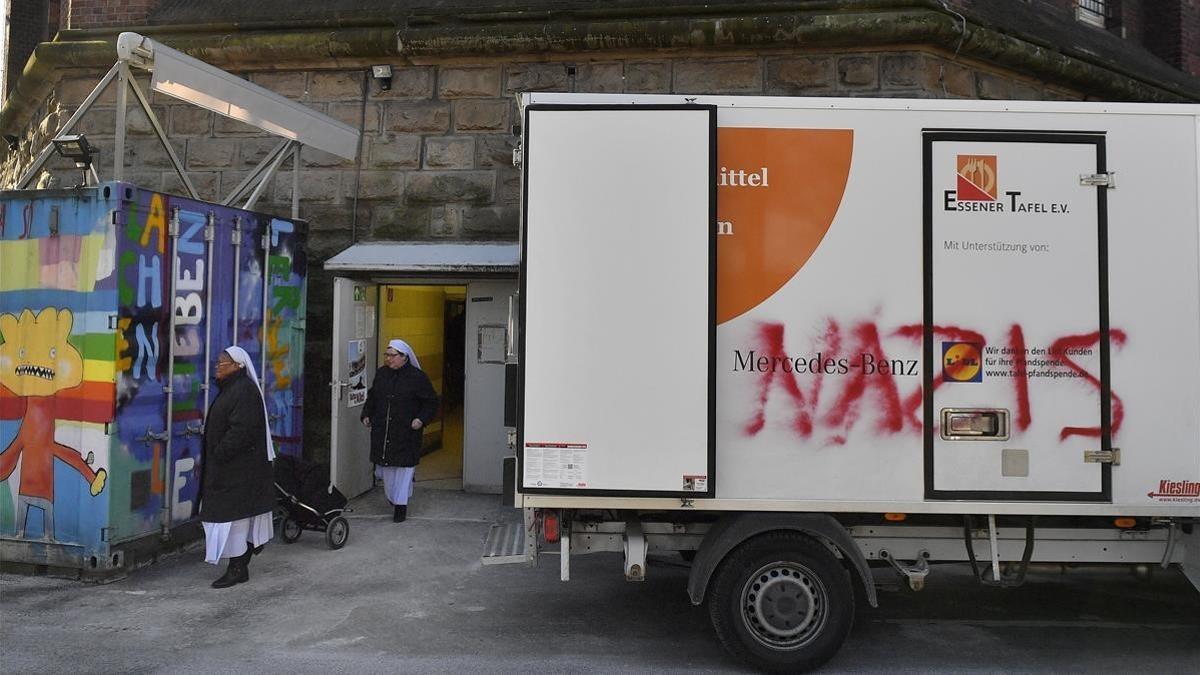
(235,476)
(395,399)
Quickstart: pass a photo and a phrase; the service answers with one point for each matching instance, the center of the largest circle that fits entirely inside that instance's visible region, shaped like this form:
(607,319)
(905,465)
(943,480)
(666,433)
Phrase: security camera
(382,74)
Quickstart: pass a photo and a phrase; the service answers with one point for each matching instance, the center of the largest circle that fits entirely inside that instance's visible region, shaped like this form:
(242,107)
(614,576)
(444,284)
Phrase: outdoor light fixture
(76,148)
(383,74)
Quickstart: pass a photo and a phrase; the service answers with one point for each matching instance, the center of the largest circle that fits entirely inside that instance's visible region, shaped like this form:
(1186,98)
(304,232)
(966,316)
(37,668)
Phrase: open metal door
(618,300)
(1017,403)
(355,349)
(487,334)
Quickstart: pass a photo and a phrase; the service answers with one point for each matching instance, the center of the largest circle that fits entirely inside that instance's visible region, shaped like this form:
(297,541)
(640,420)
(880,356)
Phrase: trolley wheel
(290,530)
(782,602)
(337,532)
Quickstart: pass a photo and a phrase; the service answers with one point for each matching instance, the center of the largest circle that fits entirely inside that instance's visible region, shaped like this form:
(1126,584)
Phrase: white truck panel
(834,189)
(616,351)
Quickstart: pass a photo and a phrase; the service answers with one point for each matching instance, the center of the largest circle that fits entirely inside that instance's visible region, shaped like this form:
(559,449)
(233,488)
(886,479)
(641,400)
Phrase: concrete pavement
(413,597)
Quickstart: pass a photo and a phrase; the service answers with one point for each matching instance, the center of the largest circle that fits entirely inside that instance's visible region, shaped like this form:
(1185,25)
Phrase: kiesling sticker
(977,178)
(961,362)
(777,193)
(1185,491)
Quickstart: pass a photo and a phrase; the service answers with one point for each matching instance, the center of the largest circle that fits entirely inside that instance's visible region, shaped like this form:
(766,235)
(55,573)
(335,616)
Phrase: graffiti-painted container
(114,303)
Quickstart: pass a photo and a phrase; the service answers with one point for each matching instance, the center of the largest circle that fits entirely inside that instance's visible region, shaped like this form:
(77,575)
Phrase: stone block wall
(436,160)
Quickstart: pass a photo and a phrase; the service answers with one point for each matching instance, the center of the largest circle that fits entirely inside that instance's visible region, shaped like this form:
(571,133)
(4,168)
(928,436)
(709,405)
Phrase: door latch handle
(1103,456)
(981,424)
(152,436)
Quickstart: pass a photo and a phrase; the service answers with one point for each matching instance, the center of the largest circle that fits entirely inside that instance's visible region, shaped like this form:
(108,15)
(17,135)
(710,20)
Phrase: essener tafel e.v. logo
(977,178)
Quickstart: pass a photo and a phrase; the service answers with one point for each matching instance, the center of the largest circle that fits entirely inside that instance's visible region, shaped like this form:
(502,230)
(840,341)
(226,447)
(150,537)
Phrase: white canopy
(425,258)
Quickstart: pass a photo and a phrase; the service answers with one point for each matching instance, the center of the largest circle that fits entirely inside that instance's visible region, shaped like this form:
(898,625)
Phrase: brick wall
(1063,7)
(1163,30)
(1129,20)
(29,24)
(1189,21)
(102,13)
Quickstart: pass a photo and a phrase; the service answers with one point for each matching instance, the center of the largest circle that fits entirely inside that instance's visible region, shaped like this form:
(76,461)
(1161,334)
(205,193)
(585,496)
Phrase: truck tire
(782,602)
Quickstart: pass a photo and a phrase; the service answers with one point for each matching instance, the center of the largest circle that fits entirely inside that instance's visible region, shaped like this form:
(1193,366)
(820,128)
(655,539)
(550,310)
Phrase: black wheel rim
(291,529)
(784,605)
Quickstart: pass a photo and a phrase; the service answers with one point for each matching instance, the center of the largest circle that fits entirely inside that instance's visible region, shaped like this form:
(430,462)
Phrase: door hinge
(1102,456)
(1108,180)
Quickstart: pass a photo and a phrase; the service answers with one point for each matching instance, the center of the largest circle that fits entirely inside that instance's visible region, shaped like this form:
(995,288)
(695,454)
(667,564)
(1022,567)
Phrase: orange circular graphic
(777,193)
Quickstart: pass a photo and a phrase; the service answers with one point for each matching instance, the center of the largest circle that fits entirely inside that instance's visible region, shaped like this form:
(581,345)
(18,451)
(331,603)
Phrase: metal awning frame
(138,51)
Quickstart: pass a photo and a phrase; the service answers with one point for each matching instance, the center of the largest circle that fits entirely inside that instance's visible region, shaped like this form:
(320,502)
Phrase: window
(1092,12)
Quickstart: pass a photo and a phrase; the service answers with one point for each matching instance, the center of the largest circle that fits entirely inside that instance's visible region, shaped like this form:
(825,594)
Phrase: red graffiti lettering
(894,412)
(771,342)
(1020,379)
(846,410)
(912,402)
(1059,350)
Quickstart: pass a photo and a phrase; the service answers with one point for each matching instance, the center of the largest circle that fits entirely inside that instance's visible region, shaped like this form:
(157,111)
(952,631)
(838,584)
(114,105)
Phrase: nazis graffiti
(847,372)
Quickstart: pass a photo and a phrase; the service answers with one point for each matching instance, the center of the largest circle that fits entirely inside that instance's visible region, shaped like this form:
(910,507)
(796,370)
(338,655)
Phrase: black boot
(400,513)
(238,571)
(255,549)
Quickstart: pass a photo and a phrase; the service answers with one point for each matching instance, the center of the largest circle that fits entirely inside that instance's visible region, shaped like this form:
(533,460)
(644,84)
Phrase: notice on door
(555,465)
(356,383)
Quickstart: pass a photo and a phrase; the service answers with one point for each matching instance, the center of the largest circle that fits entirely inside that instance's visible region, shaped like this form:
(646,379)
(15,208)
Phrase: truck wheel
(782,602)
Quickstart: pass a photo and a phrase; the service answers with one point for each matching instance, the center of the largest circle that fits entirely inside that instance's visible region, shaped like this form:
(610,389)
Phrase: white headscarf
(402,346)
(240,357)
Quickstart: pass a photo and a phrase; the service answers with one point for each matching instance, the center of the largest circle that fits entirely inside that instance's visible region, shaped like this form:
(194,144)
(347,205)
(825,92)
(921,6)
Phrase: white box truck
(798,338)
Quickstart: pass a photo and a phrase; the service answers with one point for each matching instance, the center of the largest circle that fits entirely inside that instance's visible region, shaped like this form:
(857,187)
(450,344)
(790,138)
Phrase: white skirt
(228,540)
(397,482)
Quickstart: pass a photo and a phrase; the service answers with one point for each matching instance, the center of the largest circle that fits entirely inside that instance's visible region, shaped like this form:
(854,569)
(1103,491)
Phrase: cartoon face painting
(36,359)
(36,362)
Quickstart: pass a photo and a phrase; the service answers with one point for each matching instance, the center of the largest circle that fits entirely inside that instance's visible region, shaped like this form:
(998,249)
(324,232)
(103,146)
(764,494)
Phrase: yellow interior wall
(416,314)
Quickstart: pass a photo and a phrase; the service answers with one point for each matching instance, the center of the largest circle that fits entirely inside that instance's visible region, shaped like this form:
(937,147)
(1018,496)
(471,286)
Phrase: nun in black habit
(236,485)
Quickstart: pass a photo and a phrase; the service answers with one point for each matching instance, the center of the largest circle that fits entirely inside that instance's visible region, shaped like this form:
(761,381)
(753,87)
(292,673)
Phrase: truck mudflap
(734,529)
(1189,541)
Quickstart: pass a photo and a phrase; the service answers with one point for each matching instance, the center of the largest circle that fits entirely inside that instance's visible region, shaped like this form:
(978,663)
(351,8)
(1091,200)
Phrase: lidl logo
(961,362)
(977,178)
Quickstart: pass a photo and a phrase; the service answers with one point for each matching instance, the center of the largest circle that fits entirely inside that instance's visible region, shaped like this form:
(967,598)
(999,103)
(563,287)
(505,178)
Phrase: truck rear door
(618,298)
(1016,344)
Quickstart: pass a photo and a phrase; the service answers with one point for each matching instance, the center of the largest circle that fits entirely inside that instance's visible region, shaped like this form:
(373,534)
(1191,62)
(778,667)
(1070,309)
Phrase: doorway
(459,330)
(431,319)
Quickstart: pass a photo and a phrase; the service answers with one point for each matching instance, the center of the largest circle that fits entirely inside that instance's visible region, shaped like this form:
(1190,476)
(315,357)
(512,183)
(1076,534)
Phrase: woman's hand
(366,421)
(417,424)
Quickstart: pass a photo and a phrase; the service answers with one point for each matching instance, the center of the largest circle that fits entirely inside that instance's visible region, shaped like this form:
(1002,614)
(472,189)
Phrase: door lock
(974,424)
